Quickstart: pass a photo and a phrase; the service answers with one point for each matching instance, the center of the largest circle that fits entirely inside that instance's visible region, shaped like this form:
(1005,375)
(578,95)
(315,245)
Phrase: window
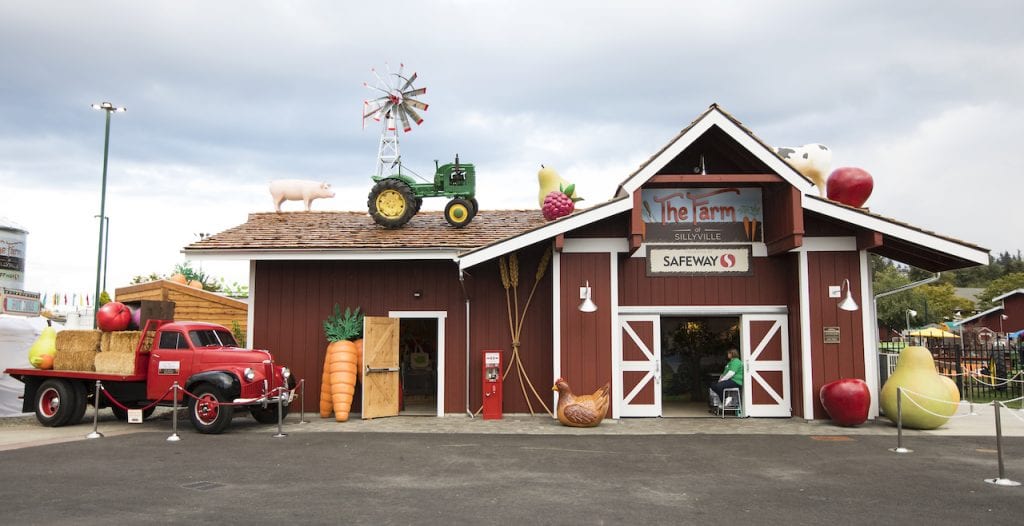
(212,338)
(173,340)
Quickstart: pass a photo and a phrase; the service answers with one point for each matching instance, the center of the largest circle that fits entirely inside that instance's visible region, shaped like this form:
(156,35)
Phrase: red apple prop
(846,401)
(114,316)
(850,186)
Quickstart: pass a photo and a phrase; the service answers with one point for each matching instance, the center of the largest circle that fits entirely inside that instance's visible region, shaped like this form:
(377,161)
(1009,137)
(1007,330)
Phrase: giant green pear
(45,345)
(928,398)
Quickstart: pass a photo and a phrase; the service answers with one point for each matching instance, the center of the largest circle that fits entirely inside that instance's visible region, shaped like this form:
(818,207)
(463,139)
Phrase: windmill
(395,103)
(396,197)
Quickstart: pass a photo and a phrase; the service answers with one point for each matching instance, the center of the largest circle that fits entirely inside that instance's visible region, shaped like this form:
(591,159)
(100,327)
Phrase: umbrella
(1016,335)
(932,332)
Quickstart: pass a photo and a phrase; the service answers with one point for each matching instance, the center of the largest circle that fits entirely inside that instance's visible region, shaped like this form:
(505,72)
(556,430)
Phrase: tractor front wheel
(391,203)
(458,212)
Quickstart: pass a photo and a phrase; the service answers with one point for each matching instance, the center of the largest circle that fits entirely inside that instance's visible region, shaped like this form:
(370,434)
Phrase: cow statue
(813,161)
(295,190)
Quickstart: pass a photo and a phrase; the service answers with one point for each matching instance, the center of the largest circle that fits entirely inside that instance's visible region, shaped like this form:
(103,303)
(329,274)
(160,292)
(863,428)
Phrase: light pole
(107,108)
(911,313)
(106,251)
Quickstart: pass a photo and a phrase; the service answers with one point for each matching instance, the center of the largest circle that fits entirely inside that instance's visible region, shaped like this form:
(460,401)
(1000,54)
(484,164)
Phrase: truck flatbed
(78,375)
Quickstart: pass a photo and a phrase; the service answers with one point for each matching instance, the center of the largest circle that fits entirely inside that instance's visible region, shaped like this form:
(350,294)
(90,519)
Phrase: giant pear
(928,398)
(45,345)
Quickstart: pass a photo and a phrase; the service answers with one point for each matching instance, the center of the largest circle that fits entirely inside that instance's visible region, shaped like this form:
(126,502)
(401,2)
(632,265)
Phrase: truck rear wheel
(56,402)
(458,212)
(206,412)
(391,203)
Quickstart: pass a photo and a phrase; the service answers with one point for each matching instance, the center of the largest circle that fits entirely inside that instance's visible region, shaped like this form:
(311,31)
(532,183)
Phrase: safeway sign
(710,260)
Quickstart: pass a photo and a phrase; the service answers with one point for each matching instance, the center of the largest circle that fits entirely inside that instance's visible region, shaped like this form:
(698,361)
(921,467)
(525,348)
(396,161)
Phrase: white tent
(16,335)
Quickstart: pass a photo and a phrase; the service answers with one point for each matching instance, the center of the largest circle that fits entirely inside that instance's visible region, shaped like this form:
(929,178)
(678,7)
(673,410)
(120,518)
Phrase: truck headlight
(249,374)
(285,373)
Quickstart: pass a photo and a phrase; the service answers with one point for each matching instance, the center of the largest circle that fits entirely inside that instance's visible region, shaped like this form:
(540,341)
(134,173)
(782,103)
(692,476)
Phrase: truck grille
(253,390)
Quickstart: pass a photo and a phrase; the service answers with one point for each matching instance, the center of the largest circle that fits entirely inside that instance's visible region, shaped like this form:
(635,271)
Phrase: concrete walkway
(24,431)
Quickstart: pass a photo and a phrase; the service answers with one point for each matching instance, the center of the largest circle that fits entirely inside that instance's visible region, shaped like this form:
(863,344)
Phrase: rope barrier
(919,406)
(1013,412)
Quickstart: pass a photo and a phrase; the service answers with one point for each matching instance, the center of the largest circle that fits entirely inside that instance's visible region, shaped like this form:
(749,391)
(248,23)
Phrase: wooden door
(380,367)
(765,347)
(640,366)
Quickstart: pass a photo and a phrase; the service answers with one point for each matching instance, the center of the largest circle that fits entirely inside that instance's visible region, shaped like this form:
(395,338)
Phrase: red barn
(713,242)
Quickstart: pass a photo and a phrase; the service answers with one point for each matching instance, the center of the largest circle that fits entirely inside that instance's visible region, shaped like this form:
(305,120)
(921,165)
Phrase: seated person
(732,377)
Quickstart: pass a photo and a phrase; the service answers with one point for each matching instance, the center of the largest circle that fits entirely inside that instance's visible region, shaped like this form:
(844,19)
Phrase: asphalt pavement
(518,470)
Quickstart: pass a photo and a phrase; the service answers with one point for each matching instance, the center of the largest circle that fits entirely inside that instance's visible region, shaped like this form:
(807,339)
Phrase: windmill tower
(395,103)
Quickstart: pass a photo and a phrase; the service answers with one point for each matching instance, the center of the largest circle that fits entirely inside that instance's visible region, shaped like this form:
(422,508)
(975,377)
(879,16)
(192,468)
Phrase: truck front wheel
(56,402)
(268,415)
(206,412)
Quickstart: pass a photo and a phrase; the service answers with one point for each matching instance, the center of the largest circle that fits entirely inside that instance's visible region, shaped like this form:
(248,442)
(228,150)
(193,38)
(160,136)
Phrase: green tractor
(395,198)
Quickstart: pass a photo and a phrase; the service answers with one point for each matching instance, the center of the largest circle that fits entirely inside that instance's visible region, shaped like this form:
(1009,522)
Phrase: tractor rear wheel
(391,203)
(476,208)
(458,212)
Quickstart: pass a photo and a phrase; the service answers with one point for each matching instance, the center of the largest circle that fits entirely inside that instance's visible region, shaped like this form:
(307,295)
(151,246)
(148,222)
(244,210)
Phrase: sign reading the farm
(702,215)
(698,260)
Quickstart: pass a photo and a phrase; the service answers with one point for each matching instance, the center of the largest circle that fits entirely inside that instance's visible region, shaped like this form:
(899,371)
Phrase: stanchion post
(96,413)
(899,424)
(1002,480)
(174,415)
(302,401)
(280,413)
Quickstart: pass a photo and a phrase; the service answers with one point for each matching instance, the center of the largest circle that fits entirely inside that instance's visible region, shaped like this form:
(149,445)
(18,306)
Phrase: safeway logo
(699,260)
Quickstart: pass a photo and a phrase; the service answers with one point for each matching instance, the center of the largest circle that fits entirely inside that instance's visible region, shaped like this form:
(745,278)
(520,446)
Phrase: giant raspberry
(559,204)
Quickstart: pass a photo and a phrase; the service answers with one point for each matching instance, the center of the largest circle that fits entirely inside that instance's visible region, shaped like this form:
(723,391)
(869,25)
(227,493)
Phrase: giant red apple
(850,186)
(846,401)
(113,316)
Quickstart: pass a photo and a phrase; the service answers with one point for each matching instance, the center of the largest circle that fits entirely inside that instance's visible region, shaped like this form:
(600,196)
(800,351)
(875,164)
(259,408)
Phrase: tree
(999,287)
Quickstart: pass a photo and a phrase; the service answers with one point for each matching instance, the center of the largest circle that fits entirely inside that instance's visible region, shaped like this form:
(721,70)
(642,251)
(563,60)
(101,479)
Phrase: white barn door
(639,369)
(764,339)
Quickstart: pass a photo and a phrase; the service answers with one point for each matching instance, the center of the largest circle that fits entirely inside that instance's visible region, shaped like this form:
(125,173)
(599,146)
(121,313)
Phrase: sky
(225,96)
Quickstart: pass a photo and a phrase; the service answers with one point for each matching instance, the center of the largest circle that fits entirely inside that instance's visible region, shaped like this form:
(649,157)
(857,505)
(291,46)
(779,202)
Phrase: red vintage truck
(202,357)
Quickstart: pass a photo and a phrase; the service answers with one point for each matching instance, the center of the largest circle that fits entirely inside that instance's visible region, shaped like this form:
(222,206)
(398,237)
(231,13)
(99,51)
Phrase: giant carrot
(341,362)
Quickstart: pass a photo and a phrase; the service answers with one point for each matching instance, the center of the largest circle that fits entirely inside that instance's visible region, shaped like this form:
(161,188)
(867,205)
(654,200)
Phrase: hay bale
(78,341)
(120,342)
(115,363)
(75,360)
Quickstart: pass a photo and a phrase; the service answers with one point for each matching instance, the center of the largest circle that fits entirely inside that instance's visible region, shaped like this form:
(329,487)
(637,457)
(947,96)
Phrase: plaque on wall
(831,334)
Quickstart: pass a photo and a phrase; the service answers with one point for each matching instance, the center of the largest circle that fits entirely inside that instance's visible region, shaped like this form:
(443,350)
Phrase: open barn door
(765,346)
(640,366)
(380,367)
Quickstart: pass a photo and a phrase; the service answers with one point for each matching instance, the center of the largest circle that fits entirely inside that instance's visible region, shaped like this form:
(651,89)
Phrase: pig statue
(295,190)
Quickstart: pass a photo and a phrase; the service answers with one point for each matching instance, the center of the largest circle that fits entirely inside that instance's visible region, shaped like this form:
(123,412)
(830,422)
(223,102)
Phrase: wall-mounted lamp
(848,302)
(588,304)
(417,293)
(911,313)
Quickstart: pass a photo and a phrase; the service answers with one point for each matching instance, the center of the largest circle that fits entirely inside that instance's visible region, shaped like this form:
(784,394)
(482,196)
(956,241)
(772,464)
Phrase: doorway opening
(418,366)
(692,357)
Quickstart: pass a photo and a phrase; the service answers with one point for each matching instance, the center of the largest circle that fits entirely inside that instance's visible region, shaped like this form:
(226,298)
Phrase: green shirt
(736,366)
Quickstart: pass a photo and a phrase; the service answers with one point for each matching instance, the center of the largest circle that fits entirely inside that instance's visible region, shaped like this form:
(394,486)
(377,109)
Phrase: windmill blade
(405,118)
(408,81)
(415,104)
(415,116)
(371,107)
(414,93)
(374,114)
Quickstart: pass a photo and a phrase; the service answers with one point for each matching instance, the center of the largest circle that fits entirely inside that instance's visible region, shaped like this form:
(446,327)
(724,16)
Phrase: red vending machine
(492,385)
